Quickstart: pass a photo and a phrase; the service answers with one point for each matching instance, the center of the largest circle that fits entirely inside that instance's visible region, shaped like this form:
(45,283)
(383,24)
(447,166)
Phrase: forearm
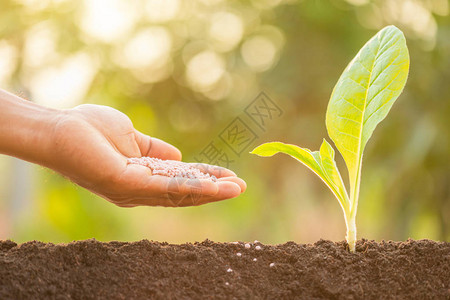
(25,128)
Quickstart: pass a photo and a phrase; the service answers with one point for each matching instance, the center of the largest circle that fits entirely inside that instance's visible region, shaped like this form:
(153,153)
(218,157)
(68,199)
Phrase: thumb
(154,147)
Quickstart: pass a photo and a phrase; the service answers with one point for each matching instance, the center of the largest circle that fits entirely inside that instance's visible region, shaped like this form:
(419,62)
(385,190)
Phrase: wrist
(26,129)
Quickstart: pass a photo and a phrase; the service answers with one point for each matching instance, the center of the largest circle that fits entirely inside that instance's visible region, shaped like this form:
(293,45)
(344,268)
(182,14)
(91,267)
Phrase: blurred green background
(182,70)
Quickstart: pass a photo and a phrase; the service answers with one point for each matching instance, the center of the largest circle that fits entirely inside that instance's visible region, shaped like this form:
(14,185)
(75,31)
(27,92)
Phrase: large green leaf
(320,162)
(364,95)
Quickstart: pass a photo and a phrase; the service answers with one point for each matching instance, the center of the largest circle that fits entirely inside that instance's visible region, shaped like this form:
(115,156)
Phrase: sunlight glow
(210,2)
(153,73)
(204,70)
(147,54)
(34,5)
(265,4)
(259,53)
(226,30)
(159,11)
(8,61)
(63,86)
(40,45)
(149,47)
(221,89)
(414,16)
(107,20)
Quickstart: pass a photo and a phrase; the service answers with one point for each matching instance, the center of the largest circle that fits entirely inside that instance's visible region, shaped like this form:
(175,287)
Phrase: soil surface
(207,270)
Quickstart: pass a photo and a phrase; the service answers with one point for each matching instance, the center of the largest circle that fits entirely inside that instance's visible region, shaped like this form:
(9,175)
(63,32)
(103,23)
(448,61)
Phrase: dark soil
(151,270)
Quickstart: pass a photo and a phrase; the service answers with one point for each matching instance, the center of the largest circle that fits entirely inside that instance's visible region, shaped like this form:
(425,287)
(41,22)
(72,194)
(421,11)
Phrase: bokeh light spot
(149,47)
(159,11)
(259,53)
(107,20)
(65,85)
(226,30)
(8,61)
(204,70)
(40,45)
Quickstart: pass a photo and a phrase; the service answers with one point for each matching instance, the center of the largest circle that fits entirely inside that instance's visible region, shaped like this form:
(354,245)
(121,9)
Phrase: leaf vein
(364,87)
(378,108)
(348,150)
(345,118)
(348,134)
(385,68)
(383,50)
(352,104)
(385,88)
(364,67)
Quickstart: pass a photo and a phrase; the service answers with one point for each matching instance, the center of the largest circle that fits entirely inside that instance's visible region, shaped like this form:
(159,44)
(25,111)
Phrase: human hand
(91,145)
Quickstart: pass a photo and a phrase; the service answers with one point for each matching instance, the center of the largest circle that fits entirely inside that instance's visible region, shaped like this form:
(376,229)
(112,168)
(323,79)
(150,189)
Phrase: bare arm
(89,144)
(25,128)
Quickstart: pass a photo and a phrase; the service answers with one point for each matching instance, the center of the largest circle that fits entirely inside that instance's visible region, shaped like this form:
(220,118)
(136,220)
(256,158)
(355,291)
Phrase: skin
(90,144)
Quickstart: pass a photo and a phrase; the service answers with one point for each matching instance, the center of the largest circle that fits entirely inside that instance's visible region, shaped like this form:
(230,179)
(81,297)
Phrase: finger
(181,187)
(154,147)
(242,184)
(217,171)
(187,200)
(171,199)
(137,182)
(227,190)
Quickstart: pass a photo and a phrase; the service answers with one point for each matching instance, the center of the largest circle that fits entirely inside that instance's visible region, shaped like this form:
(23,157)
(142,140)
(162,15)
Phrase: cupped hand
(91,145)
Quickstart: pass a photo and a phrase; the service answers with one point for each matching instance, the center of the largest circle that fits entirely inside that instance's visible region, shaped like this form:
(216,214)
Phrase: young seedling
(361,99)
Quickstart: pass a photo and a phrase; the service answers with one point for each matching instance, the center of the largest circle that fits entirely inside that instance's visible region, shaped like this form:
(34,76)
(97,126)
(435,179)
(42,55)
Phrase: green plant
(361,99)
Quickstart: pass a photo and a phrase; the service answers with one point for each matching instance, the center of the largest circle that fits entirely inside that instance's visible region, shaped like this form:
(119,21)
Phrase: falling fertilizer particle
(227,283)
(272,265)
(247,246)
(255,259)
(171,168)
(239,254)
(258,247)
(229,270)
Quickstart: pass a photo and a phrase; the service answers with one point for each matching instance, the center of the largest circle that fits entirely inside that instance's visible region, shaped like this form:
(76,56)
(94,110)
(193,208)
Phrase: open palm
(91,146)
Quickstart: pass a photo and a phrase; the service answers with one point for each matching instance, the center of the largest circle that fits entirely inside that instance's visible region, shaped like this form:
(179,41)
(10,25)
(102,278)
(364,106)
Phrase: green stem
(351,222)
(351,233)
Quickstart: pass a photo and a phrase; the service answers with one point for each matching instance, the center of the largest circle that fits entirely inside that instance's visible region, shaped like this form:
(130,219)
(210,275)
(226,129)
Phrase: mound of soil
(117,270)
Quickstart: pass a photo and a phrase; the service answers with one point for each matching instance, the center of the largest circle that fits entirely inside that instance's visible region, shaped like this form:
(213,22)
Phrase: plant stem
(351,222)
(351,233)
